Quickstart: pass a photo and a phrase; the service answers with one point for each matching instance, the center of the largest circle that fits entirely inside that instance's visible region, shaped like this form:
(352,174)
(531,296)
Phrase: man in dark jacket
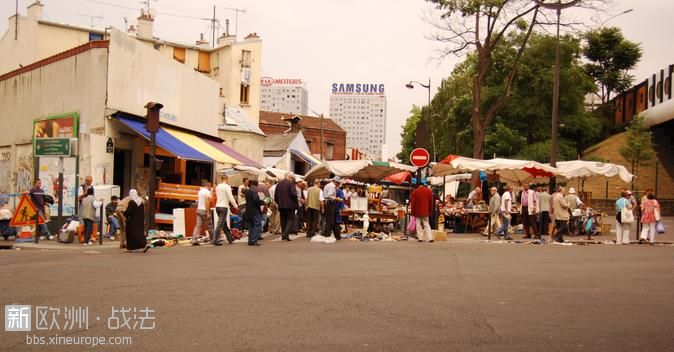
(421,203)
(286,198)
(253,214)
(37,196)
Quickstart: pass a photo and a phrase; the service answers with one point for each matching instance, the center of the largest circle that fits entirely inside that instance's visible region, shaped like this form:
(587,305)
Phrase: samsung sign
(358,88)
(270,81)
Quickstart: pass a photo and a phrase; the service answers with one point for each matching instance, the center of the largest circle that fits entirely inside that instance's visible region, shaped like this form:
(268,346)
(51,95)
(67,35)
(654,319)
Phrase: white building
(285,95)
(360,109)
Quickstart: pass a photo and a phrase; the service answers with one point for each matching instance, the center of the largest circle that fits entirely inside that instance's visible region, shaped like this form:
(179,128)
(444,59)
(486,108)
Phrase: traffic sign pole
(60,195)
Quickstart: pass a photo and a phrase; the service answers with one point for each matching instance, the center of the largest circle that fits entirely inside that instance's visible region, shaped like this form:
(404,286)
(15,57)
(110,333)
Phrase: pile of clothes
(370,236)
(163,239)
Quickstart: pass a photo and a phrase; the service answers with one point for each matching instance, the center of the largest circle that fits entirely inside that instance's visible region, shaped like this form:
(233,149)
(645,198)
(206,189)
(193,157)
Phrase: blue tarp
(166,141)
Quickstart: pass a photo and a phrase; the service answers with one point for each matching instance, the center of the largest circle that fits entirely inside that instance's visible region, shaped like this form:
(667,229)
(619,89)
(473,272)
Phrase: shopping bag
(412,226)
(626,216)
(660,227)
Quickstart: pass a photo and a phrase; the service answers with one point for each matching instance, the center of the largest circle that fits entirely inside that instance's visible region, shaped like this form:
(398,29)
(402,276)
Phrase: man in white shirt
(506,207)
(224,197)
(203,213)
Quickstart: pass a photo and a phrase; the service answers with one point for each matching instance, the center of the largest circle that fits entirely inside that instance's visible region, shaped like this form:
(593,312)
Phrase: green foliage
(611,57)
(408,135)
(540,151)
(639,147)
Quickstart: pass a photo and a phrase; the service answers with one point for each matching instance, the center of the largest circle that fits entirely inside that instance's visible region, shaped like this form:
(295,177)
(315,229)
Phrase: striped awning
(203,146)
(305,156)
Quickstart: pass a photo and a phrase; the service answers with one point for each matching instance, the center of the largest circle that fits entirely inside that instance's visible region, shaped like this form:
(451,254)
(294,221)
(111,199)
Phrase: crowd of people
(290,206)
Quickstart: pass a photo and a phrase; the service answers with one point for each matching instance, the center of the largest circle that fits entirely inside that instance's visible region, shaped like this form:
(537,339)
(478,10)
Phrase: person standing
(203,213)
(421,206)
(253,214)
(650,215)
(301,199)
(529,202)
(241,195)
(313,208)
(113,222)
(494,208)
(505,209)
(224,198)
(286,198)
(274,226)
(561,213)
(84,188)
(623,229)
(544,215)
(135,222)
(88,215)
(120,211)
(331,208)
(37,196)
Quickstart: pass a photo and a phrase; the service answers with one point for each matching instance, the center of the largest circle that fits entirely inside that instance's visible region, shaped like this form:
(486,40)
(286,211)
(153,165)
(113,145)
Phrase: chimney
(145,24)
(201,40)
(35,10)
(132,30)
(252,36)
(226,40)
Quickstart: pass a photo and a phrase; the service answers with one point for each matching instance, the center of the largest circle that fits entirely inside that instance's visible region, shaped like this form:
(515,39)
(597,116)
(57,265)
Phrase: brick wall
(609,150)
(608,206)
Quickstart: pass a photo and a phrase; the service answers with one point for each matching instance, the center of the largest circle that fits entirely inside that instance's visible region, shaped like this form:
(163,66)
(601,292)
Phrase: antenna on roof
(92,18)
(147,5)
(16,22)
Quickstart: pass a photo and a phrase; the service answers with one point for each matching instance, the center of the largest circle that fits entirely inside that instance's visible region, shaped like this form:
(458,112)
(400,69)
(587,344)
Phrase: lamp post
(558,6)
(614,16)
(410,85)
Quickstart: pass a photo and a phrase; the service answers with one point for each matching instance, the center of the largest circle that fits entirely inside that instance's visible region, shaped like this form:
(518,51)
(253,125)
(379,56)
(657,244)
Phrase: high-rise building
(360,108)
(285,95)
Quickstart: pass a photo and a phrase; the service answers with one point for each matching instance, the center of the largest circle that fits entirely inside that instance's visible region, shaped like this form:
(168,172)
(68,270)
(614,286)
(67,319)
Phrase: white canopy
(586,169)
(510,170)
(359,170)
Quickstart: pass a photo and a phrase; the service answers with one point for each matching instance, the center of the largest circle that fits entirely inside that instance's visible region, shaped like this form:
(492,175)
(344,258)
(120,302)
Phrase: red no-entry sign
(420,157)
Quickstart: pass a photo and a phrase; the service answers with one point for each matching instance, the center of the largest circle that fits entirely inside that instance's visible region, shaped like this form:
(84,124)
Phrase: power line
(138,8)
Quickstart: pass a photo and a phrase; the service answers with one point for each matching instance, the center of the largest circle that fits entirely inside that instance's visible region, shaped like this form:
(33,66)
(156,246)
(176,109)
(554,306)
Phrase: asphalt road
(352,296)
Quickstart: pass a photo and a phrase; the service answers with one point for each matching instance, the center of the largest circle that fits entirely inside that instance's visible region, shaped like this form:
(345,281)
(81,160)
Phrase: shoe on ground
(51,238)
(287,239)
(195,243)
(431,241)
(420,240)
(112,238)
(253,244)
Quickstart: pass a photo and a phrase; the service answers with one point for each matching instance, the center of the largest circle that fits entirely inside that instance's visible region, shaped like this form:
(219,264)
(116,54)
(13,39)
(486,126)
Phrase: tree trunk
(478,136)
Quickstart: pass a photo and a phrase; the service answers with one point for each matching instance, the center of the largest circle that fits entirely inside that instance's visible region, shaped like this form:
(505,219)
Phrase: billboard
(270,81)
(358,88)
(59,126)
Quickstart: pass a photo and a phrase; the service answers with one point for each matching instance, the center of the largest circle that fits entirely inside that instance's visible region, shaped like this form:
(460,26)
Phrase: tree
(483,25)
(409,135)
(639,147)
(611,58)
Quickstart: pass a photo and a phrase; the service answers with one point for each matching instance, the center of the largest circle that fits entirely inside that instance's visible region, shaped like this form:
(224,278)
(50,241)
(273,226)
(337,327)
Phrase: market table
(471,215)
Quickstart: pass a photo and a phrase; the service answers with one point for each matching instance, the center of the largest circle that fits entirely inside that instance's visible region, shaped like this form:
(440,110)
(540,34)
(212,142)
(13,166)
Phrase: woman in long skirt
(135,223)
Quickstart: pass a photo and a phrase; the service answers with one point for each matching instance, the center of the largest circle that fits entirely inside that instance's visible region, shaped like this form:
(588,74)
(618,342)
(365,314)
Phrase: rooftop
(307,122)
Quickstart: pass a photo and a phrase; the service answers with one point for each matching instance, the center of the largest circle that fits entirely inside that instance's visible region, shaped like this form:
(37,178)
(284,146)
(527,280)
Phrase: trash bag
(323,239)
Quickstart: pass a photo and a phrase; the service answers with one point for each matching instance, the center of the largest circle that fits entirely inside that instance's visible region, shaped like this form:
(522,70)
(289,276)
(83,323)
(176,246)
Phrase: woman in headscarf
(135,223)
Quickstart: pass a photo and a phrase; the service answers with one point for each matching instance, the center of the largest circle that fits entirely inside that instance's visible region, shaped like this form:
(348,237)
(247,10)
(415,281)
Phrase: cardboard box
(439,235)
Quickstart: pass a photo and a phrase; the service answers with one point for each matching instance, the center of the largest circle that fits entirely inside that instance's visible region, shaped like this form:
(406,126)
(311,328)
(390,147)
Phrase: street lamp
(410,85)
(558,6)
(614,16)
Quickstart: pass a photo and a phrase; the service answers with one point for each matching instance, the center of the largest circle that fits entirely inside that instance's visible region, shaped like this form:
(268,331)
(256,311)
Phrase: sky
(348,41)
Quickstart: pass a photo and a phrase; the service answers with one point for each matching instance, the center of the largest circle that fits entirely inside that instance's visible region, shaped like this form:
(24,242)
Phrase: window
(658,90)
(246,58)
(179,54)
(329,150)
(95,36)
(204,62)
(668,86)
(244,93)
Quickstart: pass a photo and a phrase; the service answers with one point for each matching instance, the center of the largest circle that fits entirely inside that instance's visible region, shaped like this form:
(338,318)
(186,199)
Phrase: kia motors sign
(420,157)
(270,81)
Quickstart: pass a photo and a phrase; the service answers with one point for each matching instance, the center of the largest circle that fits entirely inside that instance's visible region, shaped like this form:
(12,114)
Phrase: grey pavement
(458,295)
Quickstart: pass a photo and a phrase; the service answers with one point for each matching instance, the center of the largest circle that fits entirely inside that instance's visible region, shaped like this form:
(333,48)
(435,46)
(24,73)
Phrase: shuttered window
(204,62)
(179,54)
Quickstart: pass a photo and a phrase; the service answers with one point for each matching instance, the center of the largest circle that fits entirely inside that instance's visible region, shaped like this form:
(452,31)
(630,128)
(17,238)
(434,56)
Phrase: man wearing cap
(529,202)
(286,198)
(573,200)
(331,209)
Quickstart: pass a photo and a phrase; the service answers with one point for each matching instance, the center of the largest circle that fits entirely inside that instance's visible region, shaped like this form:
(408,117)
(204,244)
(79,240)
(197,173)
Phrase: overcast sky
(326,41)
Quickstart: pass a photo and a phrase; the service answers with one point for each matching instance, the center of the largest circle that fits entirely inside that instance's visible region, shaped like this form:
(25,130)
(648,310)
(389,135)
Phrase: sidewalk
(53,245)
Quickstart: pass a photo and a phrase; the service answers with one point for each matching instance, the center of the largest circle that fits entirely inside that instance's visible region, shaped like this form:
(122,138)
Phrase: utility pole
(321,137)
(16,21)
(213,21)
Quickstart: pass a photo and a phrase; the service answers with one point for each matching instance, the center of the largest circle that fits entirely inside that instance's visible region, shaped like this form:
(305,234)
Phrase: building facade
(360,108)
(284,95)
(333,136)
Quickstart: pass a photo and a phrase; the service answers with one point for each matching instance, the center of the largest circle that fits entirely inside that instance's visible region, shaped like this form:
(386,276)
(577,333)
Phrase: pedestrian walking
(253,214)
(203,213)
(544,200)
(506,208)
(529,202)
(37,196)
(650,215)
(286,198)
(421,206)
(494,208)
(561,214)
(224,198)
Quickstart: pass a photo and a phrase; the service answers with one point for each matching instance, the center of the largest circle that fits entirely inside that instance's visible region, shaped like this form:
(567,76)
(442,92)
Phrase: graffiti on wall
(49,173)
(5,170)
(24,168)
